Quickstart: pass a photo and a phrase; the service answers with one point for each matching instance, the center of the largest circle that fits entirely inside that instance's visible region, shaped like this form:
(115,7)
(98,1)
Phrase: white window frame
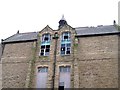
(65,49)
(64,69)
(68,34)
(43,37)
(65,41)
(42,69)
(44,52)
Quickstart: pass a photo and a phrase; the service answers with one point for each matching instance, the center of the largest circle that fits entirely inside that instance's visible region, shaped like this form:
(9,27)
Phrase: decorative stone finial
(62,22)
(63,17)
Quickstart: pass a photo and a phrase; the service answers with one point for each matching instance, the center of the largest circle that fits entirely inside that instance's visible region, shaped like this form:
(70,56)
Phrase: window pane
(46,53)
(65,37)
(62,48)
(42,54)
(68,45)
(68,68)
(42,69)
(46,39)
(63,52)
(62,45)
(46,35)
(68,49)
(47,50)
(65,69)
(42,50)
(67,52)
(46,69)
(66,33)
(47,46)
(61,69)
(43,46)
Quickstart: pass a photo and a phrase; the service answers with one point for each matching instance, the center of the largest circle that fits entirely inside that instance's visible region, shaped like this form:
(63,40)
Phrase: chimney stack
(18,32)
(114,22)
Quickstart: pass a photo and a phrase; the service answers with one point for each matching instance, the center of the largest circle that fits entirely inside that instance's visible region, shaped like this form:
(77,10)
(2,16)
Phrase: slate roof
(22,37)
(82,31)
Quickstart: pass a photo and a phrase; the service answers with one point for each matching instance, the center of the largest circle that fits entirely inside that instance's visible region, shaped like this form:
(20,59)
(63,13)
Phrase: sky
(119,13)
(34,15)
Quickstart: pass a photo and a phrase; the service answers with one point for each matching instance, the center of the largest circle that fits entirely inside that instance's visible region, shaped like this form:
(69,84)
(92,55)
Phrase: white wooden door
(42,77)
(64,79)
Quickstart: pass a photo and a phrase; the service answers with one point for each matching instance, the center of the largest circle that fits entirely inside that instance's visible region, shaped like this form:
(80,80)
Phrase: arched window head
(46,37)
(66,36)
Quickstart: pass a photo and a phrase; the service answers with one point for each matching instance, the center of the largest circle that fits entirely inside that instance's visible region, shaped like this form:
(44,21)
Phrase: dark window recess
(67,52)
(42,53)
(42,47)
(61,86)
(47,46)
(46,37)
(43,69)
(65,37)
(62,45)
(47,50)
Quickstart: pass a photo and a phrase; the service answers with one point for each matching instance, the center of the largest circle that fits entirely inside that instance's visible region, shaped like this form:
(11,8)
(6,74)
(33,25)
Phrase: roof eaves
(8,37)
(102,34)
(7,40)
(19,41)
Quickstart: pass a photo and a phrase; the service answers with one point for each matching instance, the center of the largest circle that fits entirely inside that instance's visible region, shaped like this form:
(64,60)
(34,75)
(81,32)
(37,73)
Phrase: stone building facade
(83,57)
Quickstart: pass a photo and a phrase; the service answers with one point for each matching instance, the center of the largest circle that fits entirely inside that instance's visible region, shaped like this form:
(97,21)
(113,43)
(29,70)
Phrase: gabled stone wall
(93,60)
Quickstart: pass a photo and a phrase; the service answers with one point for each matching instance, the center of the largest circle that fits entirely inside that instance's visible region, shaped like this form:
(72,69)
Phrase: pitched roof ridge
(94,26)
(9,37)
(82,27)
(27,32)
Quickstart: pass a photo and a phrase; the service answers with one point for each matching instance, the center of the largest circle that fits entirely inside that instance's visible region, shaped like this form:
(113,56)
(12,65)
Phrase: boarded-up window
(42,73)
(64,79)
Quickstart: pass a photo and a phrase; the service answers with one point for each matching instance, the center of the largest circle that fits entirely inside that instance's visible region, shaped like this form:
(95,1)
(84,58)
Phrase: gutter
(5,42)
(2,46)
(90,35)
